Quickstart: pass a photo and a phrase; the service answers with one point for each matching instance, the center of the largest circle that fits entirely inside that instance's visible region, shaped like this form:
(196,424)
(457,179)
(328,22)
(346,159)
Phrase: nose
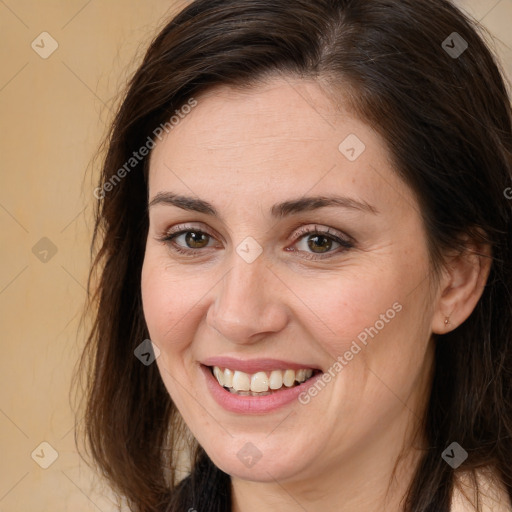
(248,303)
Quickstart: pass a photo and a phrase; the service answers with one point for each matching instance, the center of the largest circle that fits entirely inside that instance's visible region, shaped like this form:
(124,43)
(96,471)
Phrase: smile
(256,386)
(260,383)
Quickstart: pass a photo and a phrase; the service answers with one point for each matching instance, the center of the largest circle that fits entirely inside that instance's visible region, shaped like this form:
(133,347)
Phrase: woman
(303,206)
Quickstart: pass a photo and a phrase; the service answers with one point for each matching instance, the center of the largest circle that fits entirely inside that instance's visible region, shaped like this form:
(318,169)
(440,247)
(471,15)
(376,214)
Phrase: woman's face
(298,247)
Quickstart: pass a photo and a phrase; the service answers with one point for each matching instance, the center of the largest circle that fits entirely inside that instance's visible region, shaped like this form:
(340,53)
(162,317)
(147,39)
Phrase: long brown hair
(442,107)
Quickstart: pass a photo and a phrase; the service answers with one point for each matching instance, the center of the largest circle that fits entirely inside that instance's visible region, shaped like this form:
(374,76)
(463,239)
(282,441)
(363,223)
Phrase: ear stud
(447,321)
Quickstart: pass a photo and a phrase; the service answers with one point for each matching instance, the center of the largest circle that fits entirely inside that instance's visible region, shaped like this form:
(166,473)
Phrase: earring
(447,321)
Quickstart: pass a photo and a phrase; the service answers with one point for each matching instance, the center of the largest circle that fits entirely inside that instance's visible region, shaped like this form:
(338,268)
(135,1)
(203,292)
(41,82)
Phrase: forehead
(271,117)
(284,136)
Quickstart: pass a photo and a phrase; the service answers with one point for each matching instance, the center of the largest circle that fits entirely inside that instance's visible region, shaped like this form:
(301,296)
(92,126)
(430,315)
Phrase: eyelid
(306,230)
(180,228)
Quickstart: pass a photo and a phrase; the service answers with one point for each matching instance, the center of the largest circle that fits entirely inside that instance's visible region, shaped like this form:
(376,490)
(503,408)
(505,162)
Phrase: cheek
(169,302)
(347,303)
(371,318)
(171,313)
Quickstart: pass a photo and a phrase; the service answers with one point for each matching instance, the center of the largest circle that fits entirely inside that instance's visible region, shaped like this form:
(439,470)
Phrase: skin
(243,152)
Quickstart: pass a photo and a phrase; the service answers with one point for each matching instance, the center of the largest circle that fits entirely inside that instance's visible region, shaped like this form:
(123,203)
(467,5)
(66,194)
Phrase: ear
(461,285)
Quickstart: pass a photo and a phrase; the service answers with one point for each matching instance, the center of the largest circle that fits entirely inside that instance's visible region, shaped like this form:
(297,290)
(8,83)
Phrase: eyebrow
(279,210)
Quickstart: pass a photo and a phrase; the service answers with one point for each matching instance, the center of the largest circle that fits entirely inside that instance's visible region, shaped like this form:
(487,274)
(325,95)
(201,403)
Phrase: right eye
(187,241)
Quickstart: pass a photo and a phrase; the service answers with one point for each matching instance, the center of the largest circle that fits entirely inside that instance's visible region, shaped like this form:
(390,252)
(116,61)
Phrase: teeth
(228,378)
(259,383)
(219,375)
(241,381)
(289,378)
(276,379)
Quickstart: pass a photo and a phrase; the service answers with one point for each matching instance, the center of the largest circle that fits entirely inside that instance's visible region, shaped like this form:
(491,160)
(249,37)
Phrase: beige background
(53,113)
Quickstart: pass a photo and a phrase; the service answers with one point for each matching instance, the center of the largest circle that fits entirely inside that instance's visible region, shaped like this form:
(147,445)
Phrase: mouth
(261,383)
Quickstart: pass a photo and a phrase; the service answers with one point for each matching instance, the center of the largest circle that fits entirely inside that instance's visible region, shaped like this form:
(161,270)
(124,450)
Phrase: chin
(248,464)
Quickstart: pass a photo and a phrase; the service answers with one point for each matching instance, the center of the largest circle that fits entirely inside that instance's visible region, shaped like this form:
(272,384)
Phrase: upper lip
(255,365)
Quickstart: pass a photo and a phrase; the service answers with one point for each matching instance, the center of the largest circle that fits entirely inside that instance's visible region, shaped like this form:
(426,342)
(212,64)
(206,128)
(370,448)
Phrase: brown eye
(320,242)
(196,239)
(188,241)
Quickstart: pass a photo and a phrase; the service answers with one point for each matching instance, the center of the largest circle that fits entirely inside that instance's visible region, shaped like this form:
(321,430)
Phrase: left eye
(317,242)
(320,243)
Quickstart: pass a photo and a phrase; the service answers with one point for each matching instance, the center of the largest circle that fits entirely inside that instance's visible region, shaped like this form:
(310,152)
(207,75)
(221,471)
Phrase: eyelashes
(313,235)
(195,242)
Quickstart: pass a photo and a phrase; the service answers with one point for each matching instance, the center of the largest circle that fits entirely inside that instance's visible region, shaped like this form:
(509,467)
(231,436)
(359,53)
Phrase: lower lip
(253,404)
